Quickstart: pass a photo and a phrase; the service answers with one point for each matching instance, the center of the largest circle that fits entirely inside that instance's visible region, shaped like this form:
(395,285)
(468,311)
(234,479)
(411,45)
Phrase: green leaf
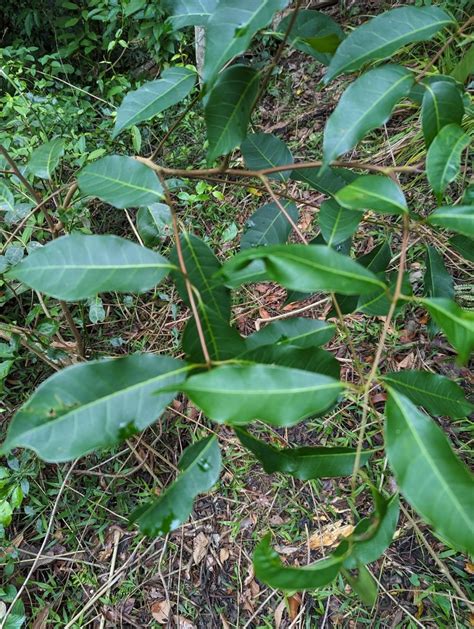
(120,181)
(264,150)
(456,323)
(153,223)
(268,226)
(228,108)
(7,201)
(94,405)
(363,585)
(463,69)
(337,223)
(308,268)
(377,304)
(443,161)
(231,28)
(304,463)
(327,180)
(365,105)
(463,245)
(306,359)
(314,33)
(373,192)
(442,105)
(430,476)
(270,570)
(78,266)
(437,281)
(190,12)
(200,467)
(383,35)
(45,159)
(6,513)
(458,218)
(299,332)
(154,97)
(238,394)
(437,394)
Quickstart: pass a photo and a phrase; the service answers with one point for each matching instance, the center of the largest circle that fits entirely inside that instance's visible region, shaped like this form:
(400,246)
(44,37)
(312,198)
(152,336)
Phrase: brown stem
(282,209)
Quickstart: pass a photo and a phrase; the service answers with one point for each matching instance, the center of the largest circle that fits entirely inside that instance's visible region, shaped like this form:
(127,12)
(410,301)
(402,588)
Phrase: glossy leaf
(443,161)
(153,223)
(438,486)
(231,29)
(199,467)
(270,570)
(442,105)
(437,394)
(94,405)
(190,12)
(308,268)
(377,304)
(456,323)
(373,192)
(458,218)
(437,281)
(383,35)
(336,222)
(269,226)
(304,463)
(7,202)
(307,359)
(463,245)
(78,266)
(120,181)
(45,159)
(365,105)
(154,97)
(264,150)
(238,394)
(327,180)
(299,332)
(228,108)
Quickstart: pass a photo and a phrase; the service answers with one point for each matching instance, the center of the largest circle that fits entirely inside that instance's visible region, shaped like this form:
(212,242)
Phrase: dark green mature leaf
(120,181)
(383,35)
(190,12)
(238,394)
(299,332)
(365,105)
(442,105)
(200,467)
(314,33)
(430,476)
(78,266)
(231,28)
(458,218)
(7,201)
(363,585)
(269,226)
(45,159)
(153,223)
(377,304)
(373,192)
(264,150)
(456,323)
(463,245)
(228,109)
(463,69)
(269,569)
(437,394)
(308,268)
(94,405)
(306,359)
(305,463)
(437,281)
(327,180)
(336,222)
(443,160)
(153,97)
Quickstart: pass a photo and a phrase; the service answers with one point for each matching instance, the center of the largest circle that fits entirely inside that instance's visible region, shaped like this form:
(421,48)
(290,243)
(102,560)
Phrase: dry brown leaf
(224,555)
(469,567)
(161,611)
(200,544)
(264,314)
(183,623)
(408,362)
(294,604)
(330,535)
(279,611)
(41,620)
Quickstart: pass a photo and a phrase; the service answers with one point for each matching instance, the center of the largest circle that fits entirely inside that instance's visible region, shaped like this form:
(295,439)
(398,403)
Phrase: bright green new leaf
(269,226)
(365,105)
(94,405)
(269,569)
(336,222)
(304,463)
(299,332)
(327,180)
(458,218)
(78,266)
(120,181)
(238,394)
(437,281)
(154,223)
(308,268)
(264,150)
(443,161)
(45,159)
(199,467)
(7,201)
(442,105)
(363,585)
(456,323)
(190,12)
(228,108)
(383,35)
(307,359)
(373,192)
(231,28)
(430,476)
(153,97)
(464,245)
(437,394)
